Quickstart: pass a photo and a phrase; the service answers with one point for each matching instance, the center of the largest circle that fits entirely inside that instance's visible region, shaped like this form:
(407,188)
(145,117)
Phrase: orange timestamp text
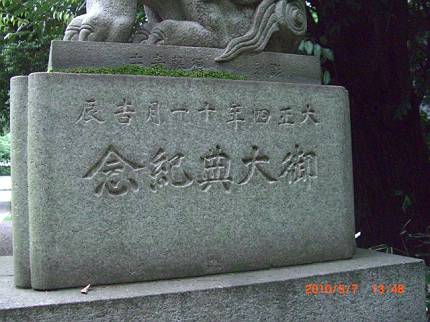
(383,289)
(352,289)
(331,289)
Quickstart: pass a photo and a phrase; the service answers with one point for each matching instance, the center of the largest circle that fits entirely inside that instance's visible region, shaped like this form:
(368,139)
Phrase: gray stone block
(143,178)
(271,295)
(18,120)
(266,66)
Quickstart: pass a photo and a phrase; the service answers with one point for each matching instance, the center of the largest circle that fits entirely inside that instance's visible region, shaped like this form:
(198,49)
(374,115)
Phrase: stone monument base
(134,178)
(372,286)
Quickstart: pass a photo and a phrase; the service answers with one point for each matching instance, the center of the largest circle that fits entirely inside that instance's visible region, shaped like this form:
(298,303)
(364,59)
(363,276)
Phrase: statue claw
(73,29)
(84,34)
(99,27)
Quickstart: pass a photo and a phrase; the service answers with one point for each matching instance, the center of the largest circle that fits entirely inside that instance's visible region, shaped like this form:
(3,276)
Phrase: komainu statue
(238,26)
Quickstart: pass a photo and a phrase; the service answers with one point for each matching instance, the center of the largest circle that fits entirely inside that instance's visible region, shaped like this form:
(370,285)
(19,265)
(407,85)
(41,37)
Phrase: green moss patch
(157,70)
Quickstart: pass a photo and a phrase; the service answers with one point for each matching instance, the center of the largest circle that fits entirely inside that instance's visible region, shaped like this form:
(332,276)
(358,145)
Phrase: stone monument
(121,179)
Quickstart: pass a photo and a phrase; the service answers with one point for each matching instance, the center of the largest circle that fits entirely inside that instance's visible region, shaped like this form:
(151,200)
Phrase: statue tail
(271,16)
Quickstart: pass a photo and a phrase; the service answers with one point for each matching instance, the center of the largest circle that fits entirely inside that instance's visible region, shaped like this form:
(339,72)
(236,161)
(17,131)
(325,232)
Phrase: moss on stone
(157,70)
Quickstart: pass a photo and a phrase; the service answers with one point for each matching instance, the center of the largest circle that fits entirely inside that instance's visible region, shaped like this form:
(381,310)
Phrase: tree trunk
(391,162)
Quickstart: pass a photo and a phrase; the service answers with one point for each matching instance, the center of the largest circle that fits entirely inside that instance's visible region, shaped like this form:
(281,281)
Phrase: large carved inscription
(114,174)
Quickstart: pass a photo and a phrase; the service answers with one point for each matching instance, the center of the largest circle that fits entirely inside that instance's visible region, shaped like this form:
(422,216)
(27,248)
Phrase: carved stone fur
(239,26)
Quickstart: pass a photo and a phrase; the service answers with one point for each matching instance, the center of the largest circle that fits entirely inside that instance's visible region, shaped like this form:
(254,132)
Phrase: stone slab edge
(267,66)
(18,107)
(270,295)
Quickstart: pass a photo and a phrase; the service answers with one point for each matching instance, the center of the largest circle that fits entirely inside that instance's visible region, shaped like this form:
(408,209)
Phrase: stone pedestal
(135,178)
(265,66)
(352,291)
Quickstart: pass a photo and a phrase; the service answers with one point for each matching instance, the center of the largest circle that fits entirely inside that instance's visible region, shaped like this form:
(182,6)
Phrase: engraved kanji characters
(197,63)
(309,114)
(254,163)
(90,113)
(262,115)
(180,113)
(207,110)
(124,111)
(289,116)
(286,117)
(114,174)
(258,68)
(157,60)
(299,166)
(137,59)
(166,171)
(154,115)
(177,62)
(235,112)
(275,70)
(217,165)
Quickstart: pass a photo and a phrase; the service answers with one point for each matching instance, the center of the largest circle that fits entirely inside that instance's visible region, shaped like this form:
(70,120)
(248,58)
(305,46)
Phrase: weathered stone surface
(142,178)
(270,295)
(18,120)
(237,26)
(6,239)
(264,66)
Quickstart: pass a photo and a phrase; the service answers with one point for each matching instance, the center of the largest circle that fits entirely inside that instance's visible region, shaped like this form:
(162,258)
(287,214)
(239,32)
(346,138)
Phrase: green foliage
(157,70)
(36,20)
(309,47)
(26,30)
(316,44)
(5,154)
(5,171)
(5,148)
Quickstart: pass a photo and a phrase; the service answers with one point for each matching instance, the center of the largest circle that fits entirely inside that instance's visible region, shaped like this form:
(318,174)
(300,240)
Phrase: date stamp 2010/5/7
(314,289)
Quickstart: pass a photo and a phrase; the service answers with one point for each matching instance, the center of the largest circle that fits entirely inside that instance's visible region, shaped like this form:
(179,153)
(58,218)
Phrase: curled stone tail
(271,16)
